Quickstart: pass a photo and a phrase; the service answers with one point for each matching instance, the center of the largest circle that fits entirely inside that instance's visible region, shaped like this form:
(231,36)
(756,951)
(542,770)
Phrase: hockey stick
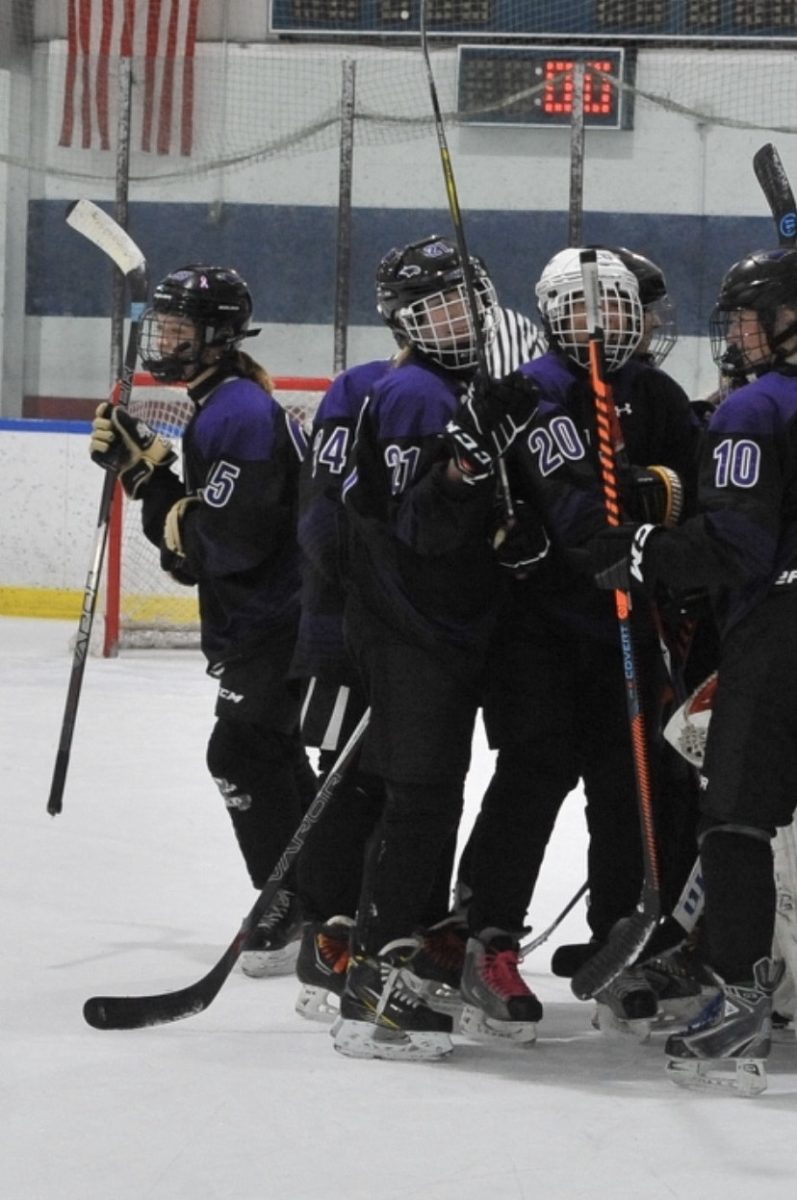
(629,936)
(774,181)
(528,947)
(101,229)
(459,231)
(136,1012)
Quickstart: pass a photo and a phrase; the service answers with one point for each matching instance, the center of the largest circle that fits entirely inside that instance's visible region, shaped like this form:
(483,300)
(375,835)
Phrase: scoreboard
(535,85)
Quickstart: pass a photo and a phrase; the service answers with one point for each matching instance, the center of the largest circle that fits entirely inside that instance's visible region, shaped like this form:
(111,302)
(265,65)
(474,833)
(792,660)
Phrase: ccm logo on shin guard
(226,694)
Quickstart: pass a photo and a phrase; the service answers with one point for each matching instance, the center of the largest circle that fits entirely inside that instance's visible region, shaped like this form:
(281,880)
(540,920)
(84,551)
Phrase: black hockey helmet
(217,303)
(660,335)
(764,281)
(421,295)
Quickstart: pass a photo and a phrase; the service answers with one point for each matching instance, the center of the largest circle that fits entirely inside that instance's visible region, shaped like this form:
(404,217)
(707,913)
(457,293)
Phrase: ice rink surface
(137,887)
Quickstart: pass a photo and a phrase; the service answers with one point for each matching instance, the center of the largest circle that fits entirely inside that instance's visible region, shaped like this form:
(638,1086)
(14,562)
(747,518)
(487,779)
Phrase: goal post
(144,607)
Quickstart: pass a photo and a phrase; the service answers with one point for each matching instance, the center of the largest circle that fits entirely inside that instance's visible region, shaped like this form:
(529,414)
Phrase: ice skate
(727,1045)
(382,1016)
(273,946)
(497,1001)
(683,985)
(324,955)
(436,967)
(628,1005)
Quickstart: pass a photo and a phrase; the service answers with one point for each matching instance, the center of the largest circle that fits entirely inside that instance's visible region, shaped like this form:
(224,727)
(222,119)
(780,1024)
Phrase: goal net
(143,606)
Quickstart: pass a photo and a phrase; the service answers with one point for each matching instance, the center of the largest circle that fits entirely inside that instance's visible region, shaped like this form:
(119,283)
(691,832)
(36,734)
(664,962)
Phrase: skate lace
(500,973)
(394,987)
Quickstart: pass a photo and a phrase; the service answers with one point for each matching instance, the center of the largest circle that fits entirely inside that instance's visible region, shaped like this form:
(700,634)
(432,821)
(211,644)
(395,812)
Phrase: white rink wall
(49,500)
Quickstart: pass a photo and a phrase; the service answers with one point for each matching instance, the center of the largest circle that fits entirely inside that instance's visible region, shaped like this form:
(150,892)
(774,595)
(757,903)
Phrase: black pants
(419,742)
(750,782)
(257,759)
(556,711)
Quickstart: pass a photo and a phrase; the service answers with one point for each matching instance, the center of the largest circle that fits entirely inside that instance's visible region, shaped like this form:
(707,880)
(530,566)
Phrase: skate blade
(259,964)
(316,1003)
(739,1076)
(361,1039)
(474,1024)
(611,1025)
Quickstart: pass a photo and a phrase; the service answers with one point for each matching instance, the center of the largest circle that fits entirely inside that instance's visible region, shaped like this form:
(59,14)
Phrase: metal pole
(343,263)
(576,207)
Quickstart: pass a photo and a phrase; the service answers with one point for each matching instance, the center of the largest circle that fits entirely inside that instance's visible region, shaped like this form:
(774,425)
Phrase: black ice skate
(324,955)
(627,1005)
(382,1016)
(683,985)
(436,967)
(273,945)
(727,1045)
(497,1001)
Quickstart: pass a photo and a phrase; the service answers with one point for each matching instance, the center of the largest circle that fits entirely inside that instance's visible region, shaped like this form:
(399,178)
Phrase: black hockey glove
(127,446)
(615,558)
(487,422)
(655,494)
(522,545)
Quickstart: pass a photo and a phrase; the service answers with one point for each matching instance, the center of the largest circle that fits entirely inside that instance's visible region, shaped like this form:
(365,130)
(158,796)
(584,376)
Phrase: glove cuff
(674,494)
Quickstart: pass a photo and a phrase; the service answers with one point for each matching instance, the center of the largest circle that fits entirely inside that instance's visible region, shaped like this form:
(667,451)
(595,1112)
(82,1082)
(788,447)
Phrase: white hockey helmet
(560,297)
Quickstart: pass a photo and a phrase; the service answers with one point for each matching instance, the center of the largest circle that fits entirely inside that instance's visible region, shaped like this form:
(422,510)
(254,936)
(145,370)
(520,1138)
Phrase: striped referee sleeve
(517,339)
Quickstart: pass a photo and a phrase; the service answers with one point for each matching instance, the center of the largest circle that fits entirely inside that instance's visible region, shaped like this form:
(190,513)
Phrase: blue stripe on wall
(287,253)
(36,425)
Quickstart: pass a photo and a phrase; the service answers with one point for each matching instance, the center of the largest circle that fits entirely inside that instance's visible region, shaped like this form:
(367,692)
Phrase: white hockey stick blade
(100,228)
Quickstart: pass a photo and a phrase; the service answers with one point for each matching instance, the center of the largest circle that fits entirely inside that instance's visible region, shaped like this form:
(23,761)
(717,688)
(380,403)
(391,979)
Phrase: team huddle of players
(441,549)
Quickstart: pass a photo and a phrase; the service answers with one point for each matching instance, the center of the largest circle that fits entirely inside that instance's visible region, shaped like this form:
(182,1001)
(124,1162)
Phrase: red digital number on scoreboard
(600,93)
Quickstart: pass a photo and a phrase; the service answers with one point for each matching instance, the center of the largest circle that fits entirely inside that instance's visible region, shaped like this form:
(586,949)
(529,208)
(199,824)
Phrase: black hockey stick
(774,181)
(629,936)
(136,1012)
(101,229)
(459,231)
(528,947)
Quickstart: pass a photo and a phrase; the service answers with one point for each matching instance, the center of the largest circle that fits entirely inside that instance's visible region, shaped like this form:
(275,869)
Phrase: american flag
(160,35)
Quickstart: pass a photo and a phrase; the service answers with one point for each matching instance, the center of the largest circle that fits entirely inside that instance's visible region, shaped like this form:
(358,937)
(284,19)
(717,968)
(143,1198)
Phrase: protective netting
(279,94)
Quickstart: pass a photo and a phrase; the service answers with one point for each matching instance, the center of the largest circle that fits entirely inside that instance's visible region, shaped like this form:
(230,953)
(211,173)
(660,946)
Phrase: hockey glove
(489,419)
(656,495)
(172,550)
(127,446)
(615,558)
(522,545)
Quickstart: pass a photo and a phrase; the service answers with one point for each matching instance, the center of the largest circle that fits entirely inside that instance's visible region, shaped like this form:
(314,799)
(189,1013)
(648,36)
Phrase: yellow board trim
(66,604)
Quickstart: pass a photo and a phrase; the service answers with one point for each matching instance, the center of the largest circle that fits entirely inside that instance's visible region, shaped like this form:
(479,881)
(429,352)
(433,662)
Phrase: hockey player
(742,547)
(330,868)
(229,528)
(421,603)
(556,707)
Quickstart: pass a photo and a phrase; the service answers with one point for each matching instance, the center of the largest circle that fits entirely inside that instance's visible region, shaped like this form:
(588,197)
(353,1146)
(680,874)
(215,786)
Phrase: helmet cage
(170,346)
(560,295)
(442,328)
(664,334)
